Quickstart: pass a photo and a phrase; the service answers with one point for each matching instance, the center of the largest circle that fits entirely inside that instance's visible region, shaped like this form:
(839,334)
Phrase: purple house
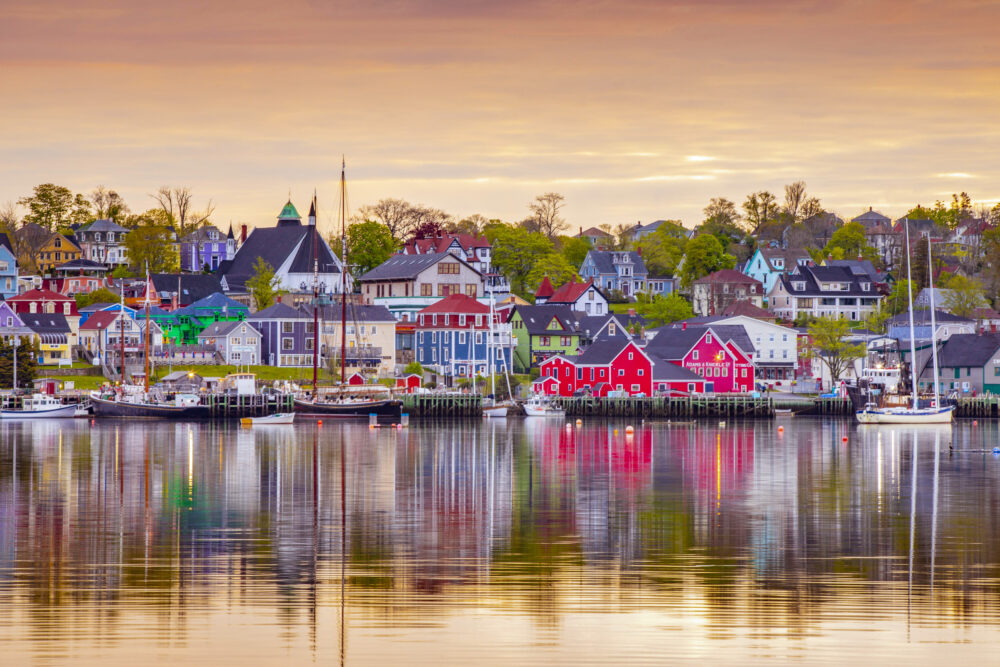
(206,247)
(286,336)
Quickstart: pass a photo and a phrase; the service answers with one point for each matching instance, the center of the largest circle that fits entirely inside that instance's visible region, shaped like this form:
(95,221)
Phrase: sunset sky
(634,110)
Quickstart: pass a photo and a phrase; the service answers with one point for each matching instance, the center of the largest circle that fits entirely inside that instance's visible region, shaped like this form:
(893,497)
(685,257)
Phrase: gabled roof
(217,301)
(101,319)
(537,318)
(593,232)
(356,313)
(604,261)
(969,350)
(924,317)
(204,233)
(275,245)
(407,267)
(985,314)
(858,267)
(570,292)
(81,265)
(41,295)
(45,322)
(94,307)
(747,309)
(289,212)
(545,290)
(602,353)
(194,286)
(811,276)
(672,343)
(279,311)
(728,276)
(790,257)
(222,329)
(870,217)
(443,242)
(456,303)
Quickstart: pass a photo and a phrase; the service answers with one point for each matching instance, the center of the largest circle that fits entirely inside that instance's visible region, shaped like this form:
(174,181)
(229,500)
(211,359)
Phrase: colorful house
(542,331)
(52,335)
(453,336)
(41,249)
(238,342)
(287,337)
(102,333)
(618,366)
(183,326)
(47,301)
(8,273)
(102,241)
(206,248)
(409,383)
(78,276)
(714,357)
(582,297)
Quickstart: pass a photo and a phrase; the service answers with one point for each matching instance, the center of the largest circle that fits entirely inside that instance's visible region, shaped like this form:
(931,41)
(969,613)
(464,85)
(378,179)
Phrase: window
(434,336)
(426,289)
(543,341)
(461,338)
(565,341)
(434,319)
(66,307)
(287,344)
(461,321)
(310,344)
(621,372)
(373,331)
(470,290)
(448,268)
(642,371)
(420,338)
(590,295)
(630,356)
(708,338)
(612,329)
(310,328)
(694,355)
(447,289)
(479,338)
(287,327)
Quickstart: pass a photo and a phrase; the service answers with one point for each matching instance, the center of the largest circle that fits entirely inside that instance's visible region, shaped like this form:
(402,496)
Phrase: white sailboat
(936,414)
(492,407)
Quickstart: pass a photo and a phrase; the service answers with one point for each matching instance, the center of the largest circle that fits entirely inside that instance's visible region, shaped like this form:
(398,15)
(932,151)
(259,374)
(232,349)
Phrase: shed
(356,379)
(410,382)
(186,382)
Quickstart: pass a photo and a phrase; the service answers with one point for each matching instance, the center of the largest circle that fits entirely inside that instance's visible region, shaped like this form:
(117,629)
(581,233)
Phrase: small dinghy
(277,418)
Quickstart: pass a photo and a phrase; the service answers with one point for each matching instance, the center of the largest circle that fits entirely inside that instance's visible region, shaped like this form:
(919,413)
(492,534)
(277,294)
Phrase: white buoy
(629,430)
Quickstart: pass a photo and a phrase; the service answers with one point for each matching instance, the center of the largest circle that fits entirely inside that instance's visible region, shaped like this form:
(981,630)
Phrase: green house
(542,331)
(182,326)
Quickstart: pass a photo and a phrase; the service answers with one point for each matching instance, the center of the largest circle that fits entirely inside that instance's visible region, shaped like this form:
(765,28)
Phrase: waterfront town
(774,295)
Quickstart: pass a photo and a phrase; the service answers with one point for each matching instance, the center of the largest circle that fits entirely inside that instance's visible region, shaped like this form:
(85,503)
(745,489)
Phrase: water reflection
(497,541)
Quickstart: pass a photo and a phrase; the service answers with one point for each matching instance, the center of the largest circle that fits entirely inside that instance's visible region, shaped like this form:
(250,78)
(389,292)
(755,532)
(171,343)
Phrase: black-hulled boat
(387,410)
(104,407)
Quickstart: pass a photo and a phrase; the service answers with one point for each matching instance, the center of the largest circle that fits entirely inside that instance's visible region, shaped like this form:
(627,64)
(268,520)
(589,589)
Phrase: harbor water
(499,542)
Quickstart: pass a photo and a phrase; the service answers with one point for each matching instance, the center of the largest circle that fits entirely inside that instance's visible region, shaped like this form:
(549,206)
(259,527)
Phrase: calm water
(500,543)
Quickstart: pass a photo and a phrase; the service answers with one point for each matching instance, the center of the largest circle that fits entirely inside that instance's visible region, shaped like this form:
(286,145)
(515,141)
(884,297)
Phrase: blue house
(287,335)
(452,337)
(767,264)
(8,273)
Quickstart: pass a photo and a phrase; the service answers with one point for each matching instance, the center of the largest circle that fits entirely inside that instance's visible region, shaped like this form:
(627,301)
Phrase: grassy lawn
(620,308)
(264,373)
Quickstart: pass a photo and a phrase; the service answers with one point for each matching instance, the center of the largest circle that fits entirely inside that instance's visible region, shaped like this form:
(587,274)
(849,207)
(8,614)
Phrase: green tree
(663,250)
(574,249)
(704,254)
(102,295)
(849,242)
(414,368)
(826,336)
(151,246)
(53,206)
(897,302)
(664,309)
(722,211)
(516,251)
(964,296)
(553,265)
(760,207)
(121,271)
(263,284)
(877,319)
(368,245)
(27,354)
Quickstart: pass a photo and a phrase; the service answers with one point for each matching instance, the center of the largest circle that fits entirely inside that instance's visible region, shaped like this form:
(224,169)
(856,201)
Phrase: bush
(431,385)
(413,368)
(616,296)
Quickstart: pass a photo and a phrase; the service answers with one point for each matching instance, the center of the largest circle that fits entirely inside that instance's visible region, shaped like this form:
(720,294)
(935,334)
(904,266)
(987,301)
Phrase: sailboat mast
(121,328)
(146,383)
(315,242)
(909,295)
(343,271)
(930,278)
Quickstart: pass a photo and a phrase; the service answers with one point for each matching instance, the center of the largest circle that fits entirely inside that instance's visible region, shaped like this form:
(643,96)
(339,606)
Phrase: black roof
(604,261)
(966,350)
(670,343)
(279,311)
(5,242)
(194,286)
(665,371)
(274,245)
(406,267)
(45,322)
(602,352)
(78,264)
(355,313)
(536,318)
(812,276)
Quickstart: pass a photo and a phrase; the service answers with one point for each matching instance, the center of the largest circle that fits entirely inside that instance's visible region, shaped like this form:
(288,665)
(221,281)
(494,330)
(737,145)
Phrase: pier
(739,406)
(442,406)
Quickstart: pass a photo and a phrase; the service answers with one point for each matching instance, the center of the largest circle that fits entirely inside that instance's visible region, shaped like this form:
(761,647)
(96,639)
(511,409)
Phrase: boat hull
(105,408)
(906,416)
(64,412)
(388,410)
(270,420)
(497,413)
(532,411)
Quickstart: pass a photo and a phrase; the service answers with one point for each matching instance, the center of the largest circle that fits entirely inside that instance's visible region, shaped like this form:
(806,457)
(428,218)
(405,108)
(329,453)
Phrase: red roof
(41,295)
(570,292)
(100,320)
(728,276)
(748,309)
(441,243)
(456,303)
(545,290)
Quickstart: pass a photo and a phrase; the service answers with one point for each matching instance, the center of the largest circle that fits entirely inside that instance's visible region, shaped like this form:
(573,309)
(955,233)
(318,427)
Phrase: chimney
(684,326)
(243,234)
(639,250)
(631,312)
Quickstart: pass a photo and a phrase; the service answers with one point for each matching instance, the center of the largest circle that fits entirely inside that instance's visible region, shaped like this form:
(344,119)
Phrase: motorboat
(539,406)
(496,410)
(139,406)
(277,418)
(41,406)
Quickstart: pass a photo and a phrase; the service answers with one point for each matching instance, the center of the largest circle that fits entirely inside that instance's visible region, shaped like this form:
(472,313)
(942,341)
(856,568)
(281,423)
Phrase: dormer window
(799,286)
(865,287)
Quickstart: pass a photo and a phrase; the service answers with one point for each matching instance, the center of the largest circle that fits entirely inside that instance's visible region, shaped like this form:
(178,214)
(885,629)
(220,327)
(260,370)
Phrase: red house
(605,366)
(713,356)
(47,301)
(410,383)
(356,379)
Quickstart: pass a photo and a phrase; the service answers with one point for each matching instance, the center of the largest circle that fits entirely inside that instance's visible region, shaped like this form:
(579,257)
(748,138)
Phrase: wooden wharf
(658,407)
(442,406)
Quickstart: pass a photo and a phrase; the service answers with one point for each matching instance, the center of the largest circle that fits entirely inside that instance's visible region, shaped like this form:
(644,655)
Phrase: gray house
(237,342)
(621,270)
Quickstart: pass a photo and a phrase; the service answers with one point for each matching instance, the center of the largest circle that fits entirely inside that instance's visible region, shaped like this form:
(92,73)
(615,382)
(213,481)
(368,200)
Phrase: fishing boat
(914,414)
(539,406)
(495,411)
(139,406)
(276,418)
(41,406)
(349,408)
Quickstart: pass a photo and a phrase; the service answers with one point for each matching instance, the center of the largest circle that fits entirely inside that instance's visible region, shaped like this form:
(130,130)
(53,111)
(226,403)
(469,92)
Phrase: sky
(635,110)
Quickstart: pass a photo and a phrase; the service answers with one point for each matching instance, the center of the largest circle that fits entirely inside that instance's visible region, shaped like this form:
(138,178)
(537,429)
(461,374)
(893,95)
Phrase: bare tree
(9,217)
(545,210)
(109,204)
(401,217)
(810,207)
(176,203)
(721,210)
(760,207)
(795,195)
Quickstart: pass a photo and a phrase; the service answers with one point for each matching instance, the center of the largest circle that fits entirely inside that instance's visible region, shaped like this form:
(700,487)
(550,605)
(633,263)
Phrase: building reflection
(740,523)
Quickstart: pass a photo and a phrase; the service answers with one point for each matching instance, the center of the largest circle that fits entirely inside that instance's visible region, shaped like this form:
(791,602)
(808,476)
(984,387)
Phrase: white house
(237,342)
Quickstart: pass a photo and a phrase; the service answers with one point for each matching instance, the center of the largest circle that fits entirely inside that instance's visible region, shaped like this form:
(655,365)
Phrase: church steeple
(289,215)
(312,212)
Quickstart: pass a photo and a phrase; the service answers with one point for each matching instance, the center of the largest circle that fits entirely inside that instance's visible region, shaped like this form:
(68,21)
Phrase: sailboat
(936,414)
(494,408)
(345,407)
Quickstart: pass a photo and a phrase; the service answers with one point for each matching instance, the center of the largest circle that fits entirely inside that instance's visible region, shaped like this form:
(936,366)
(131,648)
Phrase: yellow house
(57,250)
(52,334)
(371,338)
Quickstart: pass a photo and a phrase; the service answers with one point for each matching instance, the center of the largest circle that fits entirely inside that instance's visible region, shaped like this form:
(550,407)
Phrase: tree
(662,310)
(472,225)
(151,246)
(108,204)
(516,251)
(428,229)
(877,319)
(826,335)
(898,302)
(263,284)
(400,216)
(100,295)
(368,245)
(574,249)
(663,250)
(991,270)
(176,203)
(795,197)
(722,211)
(50,206)
(545,212)
(9,218)
(760,207)
(849,242)
(413,368)
(553,265)
(155,217)
(704,254)
(964,296)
